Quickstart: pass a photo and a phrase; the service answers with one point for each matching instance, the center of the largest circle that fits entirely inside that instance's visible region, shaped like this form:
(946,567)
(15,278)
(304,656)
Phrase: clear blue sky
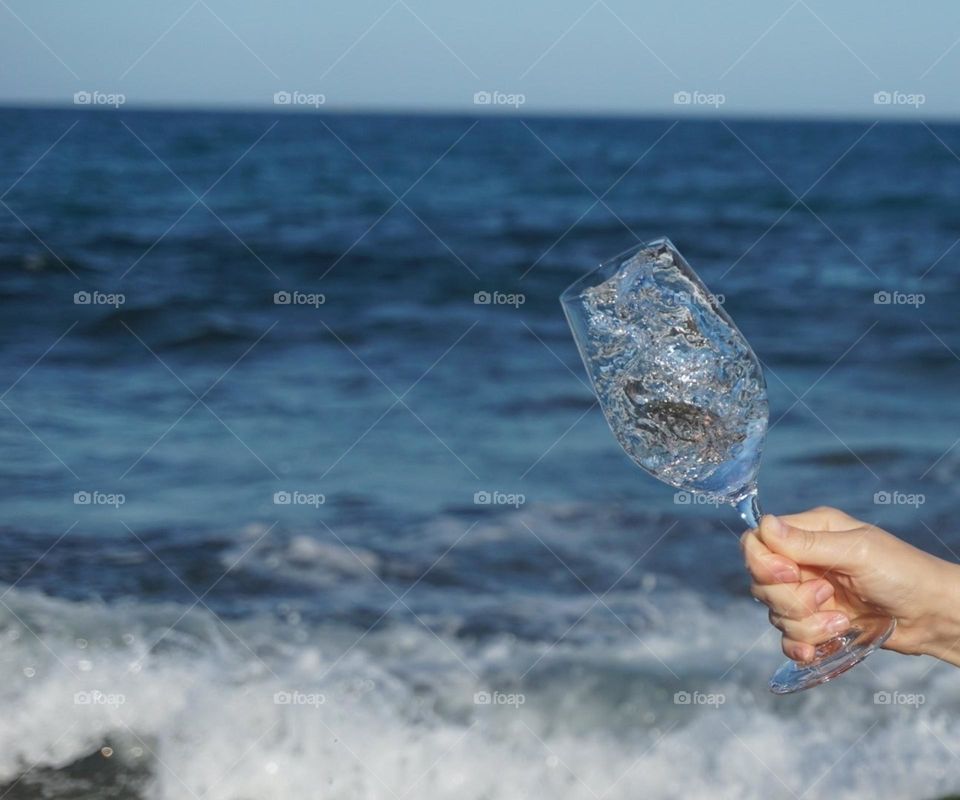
(799,57)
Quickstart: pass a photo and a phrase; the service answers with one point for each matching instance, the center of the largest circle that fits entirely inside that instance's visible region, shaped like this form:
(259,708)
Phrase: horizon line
(429,111)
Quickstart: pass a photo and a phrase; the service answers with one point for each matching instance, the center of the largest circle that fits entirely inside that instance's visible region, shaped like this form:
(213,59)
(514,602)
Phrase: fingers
(800,638)
(797,651)
(764,566)
(794,600)
(822,518)
(814,629)
(776,553)
(841,550)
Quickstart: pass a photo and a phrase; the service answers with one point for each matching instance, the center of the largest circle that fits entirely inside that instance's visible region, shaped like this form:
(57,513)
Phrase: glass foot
(835,657)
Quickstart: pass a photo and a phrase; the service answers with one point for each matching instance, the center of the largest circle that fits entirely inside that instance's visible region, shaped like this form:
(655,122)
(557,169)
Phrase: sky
(858,58)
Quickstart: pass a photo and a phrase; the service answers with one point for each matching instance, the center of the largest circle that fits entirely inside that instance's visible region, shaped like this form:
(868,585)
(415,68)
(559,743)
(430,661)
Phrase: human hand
(820,569)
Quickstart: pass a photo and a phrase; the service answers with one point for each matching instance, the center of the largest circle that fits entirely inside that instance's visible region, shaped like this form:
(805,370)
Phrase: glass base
(835,657)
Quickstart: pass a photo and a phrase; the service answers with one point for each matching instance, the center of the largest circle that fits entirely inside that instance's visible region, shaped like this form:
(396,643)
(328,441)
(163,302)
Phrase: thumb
(829,549)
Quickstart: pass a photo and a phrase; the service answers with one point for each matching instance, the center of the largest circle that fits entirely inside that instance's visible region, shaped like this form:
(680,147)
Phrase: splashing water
(679,385)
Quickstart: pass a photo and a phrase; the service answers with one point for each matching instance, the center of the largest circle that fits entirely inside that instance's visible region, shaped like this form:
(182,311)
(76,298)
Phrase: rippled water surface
(381,506)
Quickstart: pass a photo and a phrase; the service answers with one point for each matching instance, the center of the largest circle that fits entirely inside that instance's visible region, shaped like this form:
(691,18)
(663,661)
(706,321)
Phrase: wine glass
(685,396)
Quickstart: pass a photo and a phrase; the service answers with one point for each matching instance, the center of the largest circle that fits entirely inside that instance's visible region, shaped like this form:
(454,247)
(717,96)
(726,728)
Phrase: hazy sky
(623,56)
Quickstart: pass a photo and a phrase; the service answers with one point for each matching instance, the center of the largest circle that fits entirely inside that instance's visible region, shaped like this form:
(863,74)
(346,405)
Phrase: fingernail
(837,623)
(779,528)
(824,593)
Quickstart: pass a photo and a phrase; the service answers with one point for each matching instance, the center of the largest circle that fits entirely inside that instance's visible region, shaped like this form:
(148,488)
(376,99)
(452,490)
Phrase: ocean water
(385,545)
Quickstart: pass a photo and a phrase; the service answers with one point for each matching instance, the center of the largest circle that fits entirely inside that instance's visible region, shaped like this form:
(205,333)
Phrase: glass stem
(748,507)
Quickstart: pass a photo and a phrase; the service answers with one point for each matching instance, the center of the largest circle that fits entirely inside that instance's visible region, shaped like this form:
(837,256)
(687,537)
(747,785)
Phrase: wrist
(942,625)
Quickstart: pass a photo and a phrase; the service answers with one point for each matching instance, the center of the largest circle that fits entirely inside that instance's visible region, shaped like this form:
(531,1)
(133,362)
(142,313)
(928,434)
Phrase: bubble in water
(679,385)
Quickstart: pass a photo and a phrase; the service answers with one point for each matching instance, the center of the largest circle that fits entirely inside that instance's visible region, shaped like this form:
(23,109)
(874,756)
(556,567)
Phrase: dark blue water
(398,399)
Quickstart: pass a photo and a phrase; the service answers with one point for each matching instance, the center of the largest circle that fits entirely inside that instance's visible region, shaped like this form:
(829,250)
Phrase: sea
(306,495)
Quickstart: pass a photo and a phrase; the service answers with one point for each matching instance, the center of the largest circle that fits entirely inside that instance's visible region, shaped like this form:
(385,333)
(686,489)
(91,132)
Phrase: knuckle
(806,542)
(800,605)
(837,517)
(795,611)
(800,610)
(859,545)
(808,603)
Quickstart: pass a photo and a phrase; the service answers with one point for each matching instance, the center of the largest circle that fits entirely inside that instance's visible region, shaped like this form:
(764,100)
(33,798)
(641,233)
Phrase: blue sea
(306,495)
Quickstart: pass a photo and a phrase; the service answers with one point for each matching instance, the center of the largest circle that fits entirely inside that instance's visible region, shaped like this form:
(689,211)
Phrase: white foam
(394,714)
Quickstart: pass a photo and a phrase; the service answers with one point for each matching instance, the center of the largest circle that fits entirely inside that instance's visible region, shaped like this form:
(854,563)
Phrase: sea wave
(185,702)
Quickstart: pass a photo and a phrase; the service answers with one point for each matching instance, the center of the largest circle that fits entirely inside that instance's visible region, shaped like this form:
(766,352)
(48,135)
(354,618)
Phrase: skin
(821,568)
